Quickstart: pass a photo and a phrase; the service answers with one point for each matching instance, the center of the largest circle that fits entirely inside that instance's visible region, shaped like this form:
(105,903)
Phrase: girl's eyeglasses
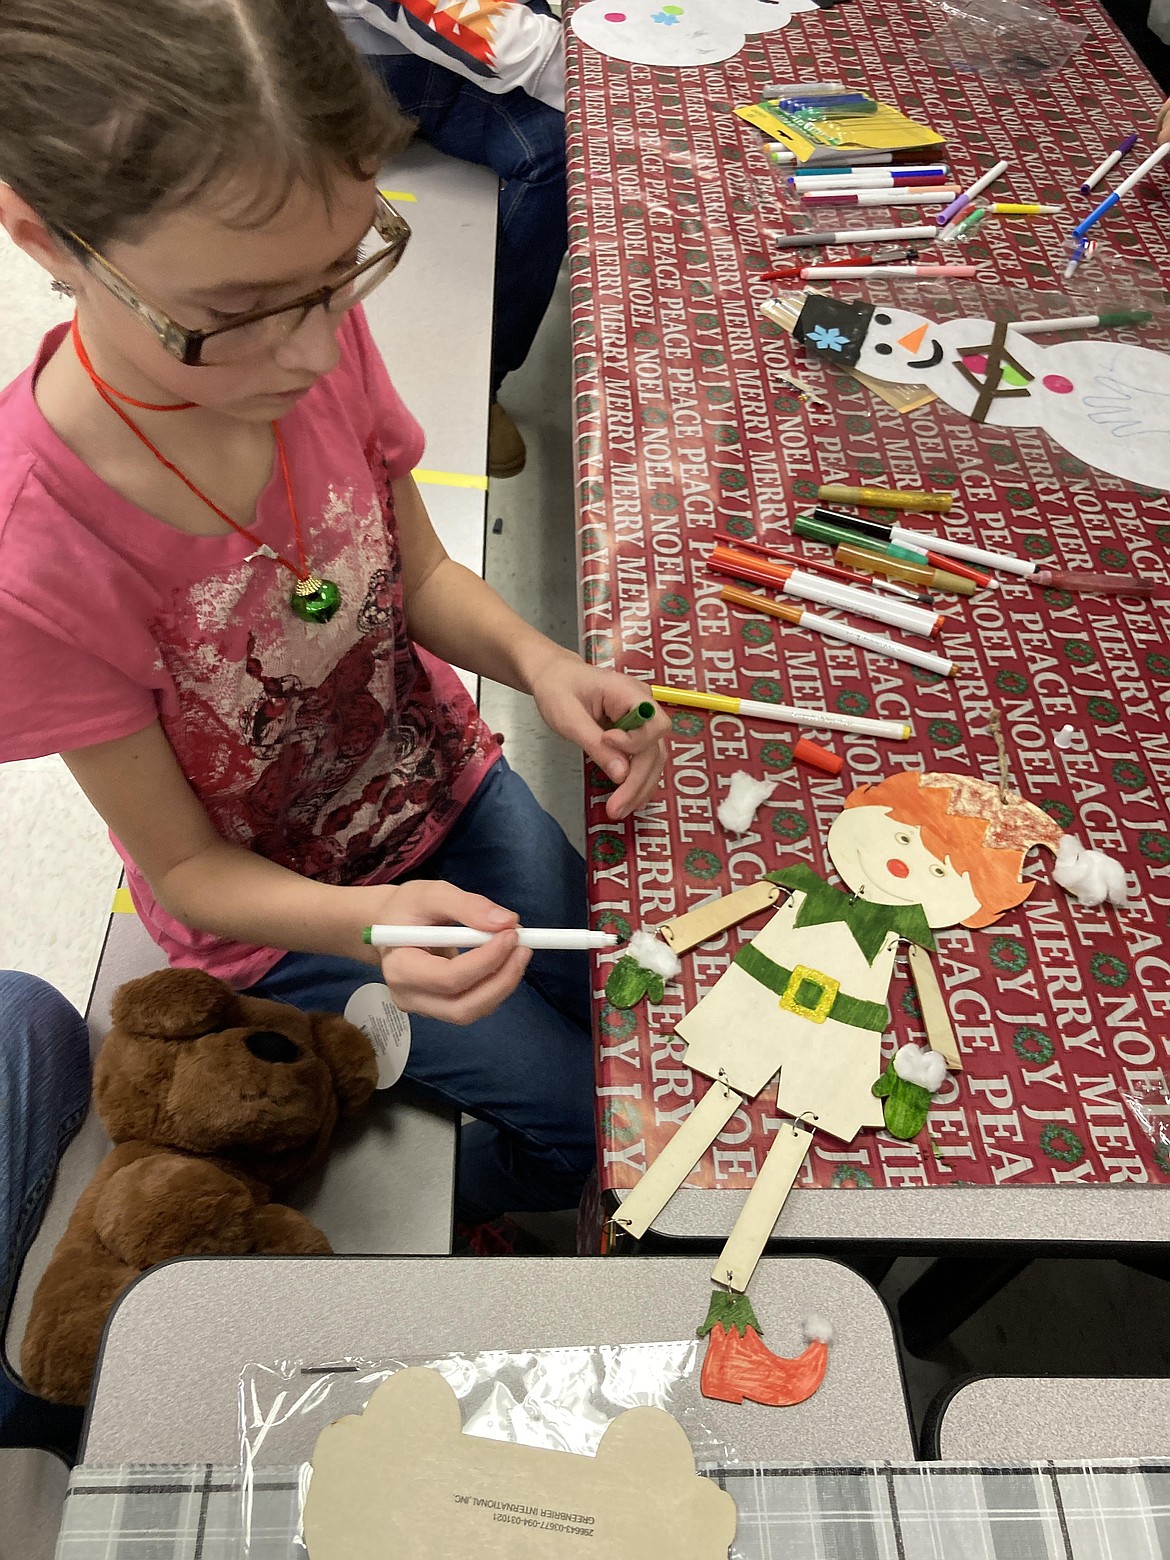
(261,330)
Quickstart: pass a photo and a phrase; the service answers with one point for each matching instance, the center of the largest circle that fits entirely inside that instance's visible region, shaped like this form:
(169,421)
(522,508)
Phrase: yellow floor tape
(450,479)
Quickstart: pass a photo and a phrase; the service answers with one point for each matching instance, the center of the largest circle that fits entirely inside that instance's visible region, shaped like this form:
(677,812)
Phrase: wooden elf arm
(685,932)
(935,1018)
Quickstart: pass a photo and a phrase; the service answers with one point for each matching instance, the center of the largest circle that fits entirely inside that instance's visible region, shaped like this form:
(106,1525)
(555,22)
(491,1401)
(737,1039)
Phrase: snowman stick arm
(935,1018)
(991,374)
(676,1161)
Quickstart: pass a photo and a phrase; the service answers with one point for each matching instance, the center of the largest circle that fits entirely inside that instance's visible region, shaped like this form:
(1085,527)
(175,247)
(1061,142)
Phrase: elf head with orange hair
(949,843)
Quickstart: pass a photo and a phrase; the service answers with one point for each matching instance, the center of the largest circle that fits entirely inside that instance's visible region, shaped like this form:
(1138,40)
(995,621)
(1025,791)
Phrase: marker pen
(825,592)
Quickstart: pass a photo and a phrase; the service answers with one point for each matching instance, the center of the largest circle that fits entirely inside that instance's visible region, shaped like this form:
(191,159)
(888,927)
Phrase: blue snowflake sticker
(827,338)
(666,19)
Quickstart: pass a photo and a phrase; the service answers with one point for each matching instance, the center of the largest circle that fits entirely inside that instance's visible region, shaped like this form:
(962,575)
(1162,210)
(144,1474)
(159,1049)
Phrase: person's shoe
(506,452)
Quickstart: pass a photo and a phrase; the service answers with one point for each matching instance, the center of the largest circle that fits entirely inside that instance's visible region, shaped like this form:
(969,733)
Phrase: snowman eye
(884,348)
(882,319)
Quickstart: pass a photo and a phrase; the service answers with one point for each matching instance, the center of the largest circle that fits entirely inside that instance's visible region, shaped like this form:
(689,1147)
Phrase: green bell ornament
(315,600)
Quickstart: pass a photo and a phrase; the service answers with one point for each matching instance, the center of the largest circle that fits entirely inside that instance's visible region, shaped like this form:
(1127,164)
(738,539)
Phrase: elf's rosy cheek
(897,868)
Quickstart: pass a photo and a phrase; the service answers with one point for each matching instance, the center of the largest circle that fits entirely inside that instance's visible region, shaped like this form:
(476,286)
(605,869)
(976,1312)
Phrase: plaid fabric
(923,1511)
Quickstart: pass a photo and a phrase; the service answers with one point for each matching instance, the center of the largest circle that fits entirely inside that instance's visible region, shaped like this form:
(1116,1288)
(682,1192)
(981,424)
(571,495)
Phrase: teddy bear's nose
(267,1046)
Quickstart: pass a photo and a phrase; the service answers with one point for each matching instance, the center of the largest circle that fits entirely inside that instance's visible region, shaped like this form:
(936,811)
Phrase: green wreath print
(1033,1046)
(1060,1142)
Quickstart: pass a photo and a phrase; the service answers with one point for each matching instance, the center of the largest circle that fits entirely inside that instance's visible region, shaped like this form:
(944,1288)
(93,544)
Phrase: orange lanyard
(111,397)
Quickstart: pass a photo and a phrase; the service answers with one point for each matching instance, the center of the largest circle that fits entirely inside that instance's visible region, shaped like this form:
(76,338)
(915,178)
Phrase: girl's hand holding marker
(443,983)
(584,704)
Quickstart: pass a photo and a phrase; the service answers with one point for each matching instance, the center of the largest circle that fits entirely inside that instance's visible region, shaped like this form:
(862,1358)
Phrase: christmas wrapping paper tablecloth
(685,425)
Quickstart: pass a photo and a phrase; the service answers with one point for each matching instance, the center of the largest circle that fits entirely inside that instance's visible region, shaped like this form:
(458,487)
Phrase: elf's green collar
(870,923)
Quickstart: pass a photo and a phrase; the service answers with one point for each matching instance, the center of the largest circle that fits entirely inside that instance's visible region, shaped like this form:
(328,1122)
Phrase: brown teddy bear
(212,1099)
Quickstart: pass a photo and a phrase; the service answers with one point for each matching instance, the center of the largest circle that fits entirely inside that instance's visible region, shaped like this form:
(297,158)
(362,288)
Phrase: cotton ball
(817,1330)
(918,1064)
(1090,875)
(654,955)
(744,796)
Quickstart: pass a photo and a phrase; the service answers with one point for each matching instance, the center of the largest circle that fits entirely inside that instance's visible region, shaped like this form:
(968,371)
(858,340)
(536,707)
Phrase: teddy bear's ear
(174,1005)
(349,1056)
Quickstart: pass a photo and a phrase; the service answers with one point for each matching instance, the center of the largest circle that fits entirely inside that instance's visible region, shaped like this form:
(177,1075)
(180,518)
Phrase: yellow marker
(883,498)
(1008,208)
(788,714)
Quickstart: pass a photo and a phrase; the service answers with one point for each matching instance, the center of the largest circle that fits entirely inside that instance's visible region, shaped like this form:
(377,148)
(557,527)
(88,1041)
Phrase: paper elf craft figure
(1106,402)
(807,996)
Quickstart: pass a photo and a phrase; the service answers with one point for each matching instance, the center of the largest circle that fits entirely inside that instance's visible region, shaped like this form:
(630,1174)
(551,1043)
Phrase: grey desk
(432,319)
(32,1493)
(1005,1418)
(177,1341)
(938,1220)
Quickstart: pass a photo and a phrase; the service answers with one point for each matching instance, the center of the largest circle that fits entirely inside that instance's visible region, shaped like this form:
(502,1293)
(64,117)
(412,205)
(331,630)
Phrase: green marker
(638,716)
(1083,322)
(971,222)
(907,554)
(814,529)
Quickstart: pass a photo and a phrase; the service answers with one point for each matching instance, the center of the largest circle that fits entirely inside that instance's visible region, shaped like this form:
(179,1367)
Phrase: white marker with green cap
(561,937)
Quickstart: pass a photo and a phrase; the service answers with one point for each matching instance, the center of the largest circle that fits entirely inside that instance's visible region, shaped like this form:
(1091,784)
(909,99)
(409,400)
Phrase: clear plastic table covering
(881,1511)
(693,418)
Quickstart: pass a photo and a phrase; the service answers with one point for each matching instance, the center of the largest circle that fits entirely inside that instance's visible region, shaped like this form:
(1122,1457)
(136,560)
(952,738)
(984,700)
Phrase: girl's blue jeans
(44,1094)
(526,1071)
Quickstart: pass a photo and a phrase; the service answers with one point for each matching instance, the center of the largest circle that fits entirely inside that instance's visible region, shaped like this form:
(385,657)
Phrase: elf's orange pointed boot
(737,1364)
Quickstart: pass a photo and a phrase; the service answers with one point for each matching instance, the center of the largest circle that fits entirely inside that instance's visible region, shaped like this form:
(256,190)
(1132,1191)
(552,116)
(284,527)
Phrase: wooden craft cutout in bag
(402,1480)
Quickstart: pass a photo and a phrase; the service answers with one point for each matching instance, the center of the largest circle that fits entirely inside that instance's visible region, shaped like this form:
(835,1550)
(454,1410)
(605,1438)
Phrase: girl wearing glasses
(221,598)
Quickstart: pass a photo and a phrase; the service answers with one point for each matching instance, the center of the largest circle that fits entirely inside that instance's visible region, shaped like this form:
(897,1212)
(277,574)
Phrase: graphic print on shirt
(325,747)
(463,28)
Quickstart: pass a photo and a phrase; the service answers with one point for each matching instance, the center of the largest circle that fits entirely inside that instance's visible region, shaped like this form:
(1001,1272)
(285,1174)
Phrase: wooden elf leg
(737,1261)
(676,1161)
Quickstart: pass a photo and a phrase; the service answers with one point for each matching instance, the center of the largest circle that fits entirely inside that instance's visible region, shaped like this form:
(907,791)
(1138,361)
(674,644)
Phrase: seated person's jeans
(523,141)
(44,1094)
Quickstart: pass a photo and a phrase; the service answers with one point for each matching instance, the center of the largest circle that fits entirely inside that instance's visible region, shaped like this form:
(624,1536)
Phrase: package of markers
(822,125)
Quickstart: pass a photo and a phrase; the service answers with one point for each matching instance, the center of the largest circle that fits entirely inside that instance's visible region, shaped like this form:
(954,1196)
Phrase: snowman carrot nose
(913,341)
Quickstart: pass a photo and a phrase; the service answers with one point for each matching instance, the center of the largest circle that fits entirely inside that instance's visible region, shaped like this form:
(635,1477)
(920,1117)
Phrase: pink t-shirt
(341,750)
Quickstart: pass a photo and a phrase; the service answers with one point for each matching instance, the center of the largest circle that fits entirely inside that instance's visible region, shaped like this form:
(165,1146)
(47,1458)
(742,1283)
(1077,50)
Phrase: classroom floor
(1058,1317)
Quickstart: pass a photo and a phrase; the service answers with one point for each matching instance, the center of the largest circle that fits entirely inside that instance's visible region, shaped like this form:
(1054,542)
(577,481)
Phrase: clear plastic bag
(562,1399)
(1006,39)
(1147,1098)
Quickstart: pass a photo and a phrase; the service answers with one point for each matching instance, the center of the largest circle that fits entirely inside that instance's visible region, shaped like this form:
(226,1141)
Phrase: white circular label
(386,1027)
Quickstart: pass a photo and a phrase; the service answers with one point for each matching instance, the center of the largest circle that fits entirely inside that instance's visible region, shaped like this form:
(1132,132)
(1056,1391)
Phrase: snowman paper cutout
(646,32)
(678,32)
(808,995)
(762,16)
(1105,402)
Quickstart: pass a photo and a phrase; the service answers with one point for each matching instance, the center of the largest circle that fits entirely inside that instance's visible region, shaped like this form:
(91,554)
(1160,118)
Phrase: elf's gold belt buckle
(798,982)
